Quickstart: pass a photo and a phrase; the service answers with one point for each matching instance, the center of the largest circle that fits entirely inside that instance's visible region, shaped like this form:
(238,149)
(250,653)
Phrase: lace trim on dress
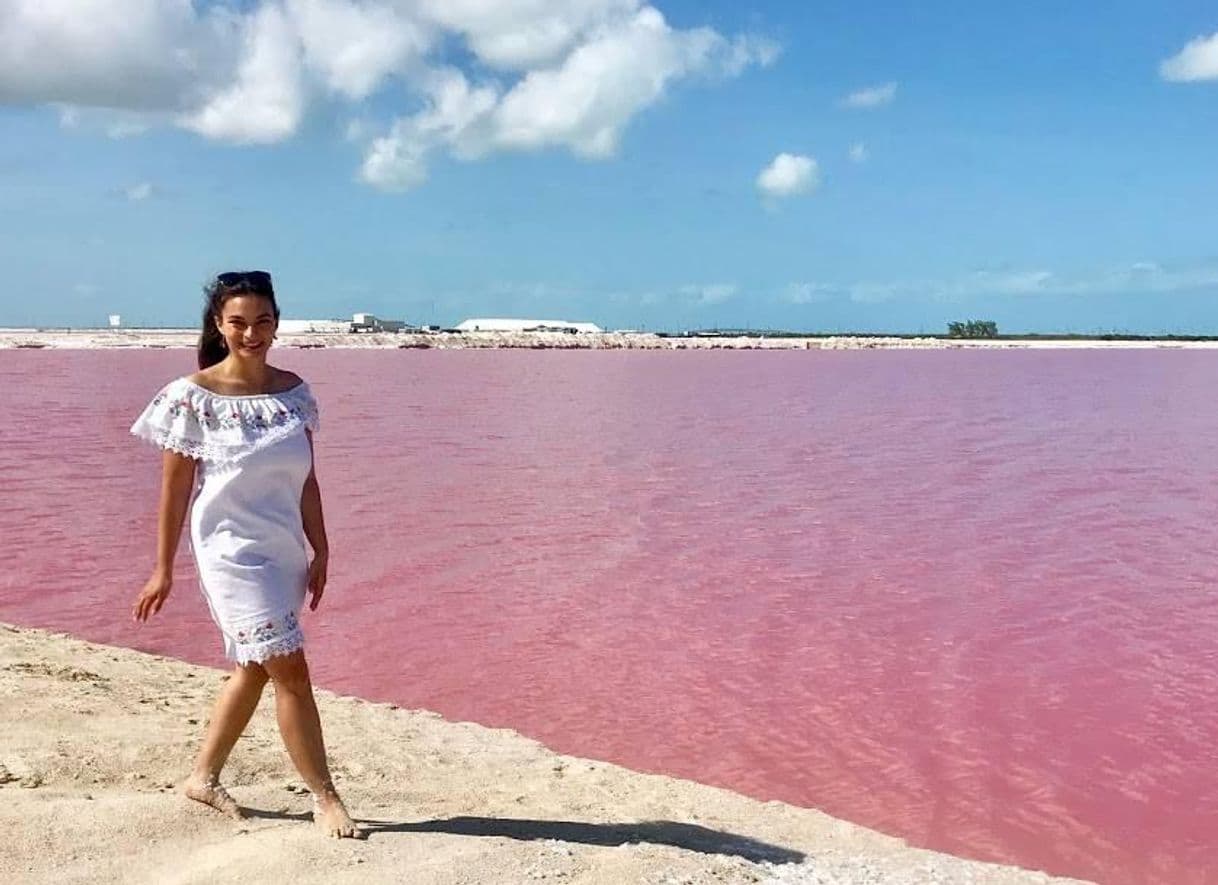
(195,422)
(262,638)
(214,453)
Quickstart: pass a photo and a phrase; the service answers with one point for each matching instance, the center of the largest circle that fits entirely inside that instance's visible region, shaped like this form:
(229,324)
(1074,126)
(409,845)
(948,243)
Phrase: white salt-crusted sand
(94,739)
(88,339)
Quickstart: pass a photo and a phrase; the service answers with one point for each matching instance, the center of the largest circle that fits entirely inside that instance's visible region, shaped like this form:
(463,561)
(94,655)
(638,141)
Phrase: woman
(244,431)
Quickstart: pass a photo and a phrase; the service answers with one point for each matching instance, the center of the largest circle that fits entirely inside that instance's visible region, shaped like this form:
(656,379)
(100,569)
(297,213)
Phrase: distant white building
(291,327)
(498,324)
(360,322)
(367,322)
(116,320)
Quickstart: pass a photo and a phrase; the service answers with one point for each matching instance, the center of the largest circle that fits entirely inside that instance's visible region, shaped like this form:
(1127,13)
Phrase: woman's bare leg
(300,726)
(234,706)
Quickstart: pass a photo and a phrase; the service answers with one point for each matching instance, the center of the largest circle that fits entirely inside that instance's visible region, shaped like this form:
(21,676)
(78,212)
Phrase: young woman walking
(239,435)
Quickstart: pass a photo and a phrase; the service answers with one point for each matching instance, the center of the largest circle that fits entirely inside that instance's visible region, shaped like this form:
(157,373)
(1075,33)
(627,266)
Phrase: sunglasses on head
(254,279)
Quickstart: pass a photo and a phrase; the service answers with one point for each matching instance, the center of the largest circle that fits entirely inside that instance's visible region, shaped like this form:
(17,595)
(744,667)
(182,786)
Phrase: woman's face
(248,325)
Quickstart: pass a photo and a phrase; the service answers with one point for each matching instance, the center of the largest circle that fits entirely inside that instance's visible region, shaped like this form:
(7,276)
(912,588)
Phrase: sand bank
(95,738)
(151,338)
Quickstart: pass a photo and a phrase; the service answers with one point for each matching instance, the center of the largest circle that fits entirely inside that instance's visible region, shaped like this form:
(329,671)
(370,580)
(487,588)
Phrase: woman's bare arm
(177,481)
(315,531)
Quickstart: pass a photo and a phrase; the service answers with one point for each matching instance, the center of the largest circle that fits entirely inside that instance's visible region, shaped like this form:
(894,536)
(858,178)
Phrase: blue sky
(813,166)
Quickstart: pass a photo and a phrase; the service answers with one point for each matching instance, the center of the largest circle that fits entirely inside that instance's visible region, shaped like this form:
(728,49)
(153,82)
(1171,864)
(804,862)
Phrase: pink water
(965,598)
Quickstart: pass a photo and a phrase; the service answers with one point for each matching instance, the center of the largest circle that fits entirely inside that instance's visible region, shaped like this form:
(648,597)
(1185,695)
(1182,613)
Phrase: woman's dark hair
(225,286)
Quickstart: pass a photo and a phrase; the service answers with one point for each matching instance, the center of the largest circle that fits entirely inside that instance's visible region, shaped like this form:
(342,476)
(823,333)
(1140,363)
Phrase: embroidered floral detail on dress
(176,407)
(233,417)
(266,638)
(266,631)
(219,429)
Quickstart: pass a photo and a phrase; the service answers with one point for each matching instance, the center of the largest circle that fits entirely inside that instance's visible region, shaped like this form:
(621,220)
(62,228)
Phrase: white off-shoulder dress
(246,530)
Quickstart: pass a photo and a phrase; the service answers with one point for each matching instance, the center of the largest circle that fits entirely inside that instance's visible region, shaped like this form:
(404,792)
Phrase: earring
(223,344)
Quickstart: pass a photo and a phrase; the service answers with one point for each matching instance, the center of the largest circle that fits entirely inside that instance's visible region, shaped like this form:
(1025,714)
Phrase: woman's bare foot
(330,814)
(208,791)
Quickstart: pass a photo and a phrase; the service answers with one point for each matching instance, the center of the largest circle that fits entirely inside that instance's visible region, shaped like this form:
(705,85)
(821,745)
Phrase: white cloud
(265,102)
(585,103)
(788,175)
(575,72)
(1198,60)
(137,193)
(961,287)
(354,46)
(749,50)
(519,35)
(115,124)
(530,291)
(858,152)
(872,96)
(134,54)
(709,293)
(69,117)
(394,164)
(1148,276)
(582,104)
(1019,282)
(457,115)
(125,126)
(1137,278)
(357,130)
(874,293)
(807,293)
(175,57)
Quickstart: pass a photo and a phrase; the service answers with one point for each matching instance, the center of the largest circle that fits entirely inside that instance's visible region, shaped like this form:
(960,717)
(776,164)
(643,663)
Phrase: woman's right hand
(153,596)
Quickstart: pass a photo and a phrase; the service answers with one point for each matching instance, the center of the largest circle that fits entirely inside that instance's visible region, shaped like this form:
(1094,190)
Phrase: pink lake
(966,598)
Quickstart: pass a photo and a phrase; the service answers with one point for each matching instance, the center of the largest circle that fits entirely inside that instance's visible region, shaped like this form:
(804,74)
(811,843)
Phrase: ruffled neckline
(224,428)
(239,396)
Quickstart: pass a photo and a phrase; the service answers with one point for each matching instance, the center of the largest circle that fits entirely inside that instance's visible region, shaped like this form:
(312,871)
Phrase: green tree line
(973,329)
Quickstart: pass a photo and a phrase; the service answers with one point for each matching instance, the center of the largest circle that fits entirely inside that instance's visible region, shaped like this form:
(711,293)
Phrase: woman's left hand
(317,578)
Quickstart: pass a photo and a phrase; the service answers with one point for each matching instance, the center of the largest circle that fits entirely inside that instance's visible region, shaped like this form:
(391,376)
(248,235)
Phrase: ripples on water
(962,597)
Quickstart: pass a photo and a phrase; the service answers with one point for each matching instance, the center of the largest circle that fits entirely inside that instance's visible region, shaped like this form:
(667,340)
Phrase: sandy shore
(95,738)
(88,339)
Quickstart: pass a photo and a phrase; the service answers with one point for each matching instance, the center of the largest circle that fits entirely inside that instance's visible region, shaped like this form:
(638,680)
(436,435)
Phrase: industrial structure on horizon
(359,322)
(367,322)
(499,324)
